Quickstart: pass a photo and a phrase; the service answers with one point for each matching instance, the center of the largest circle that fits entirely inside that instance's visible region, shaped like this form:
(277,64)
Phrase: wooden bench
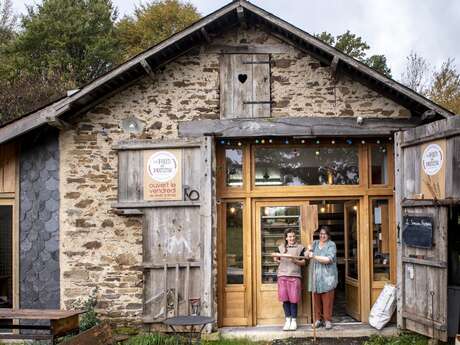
(98,335)
(61,322)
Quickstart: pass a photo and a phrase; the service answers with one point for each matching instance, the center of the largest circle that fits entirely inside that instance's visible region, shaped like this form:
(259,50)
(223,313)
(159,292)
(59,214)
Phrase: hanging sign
(163,174)
(433,170)
(432,159)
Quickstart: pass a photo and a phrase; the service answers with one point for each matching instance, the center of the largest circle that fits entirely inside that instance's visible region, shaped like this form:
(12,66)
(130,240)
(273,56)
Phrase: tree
(445,89)
(153,23)
(72,38)
(7,22)
(355,47)
(416,73)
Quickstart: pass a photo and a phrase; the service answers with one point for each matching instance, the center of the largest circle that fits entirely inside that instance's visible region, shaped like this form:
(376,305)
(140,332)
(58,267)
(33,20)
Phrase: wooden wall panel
(8,160)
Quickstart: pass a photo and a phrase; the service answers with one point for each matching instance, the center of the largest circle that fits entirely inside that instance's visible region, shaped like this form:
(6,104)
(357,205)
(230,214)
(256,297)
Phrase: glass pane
(381,239)
(274,220)
(297,166)
(234,240)
(352,245)
(6,261)
(234,165)
(379,174)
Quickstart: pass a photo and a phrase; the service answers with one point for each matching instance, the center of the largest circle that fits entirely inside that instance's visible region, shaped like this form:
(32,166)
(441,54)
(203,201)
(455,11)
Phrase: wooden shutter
(422,272)
(177,235)
(245,86)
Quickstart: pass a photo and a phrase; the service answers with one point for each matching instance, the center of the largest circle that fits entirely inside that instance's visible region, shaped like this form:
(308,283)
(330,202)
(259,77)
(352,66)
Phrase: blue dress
(326,276)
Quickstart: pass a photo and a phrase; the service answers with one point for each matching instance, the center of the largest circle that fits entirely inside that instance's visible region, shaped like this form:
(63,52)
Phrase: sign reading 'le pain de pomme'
(163,174)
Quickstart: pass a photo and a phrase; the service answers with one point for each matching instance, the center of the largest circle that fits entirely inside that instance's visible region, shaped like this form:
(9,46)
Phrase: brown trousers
(324,303)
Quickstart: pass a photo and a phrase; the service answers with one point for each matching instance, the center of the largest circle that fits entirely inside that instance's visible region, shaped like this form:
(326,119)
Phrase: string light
(240,143)
(378,141)
(262,141)
(228,142)
(333,142)
(317,141)
(349,141)
(363,142)
(317,152)
(222,142)
(270,141)
(302,141)
(286,141)
(257,141)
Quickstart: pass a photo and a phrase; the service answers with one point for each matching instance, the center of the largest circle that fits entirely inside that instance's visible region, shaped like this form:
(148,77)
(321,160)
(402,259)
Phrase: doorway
(248,234)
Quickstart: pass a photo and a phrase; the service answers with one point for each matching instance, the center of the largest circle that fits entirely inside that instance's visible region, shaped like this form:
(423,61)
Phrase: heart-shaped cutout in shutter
(242,78)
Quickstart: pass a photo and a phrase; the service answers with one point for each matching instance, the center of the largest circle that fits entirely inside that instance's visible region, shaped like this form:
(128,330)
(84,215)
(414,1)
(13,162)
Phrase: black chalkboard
(418,231)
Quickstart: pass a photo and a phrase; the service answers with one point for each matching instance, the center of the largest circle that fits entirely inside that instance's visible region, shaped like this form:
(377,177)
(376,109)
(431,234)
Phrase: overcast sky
(391,27)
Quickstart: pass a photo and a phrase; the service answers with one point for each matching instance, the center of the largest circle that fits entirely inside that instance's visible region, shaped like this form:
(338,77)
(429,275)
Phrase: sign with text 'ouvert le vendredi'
(163,174)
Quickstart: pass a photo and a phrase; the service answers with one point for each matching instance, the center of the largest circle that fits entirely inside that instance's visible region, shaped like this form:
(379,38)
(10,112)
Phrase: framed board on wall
(418,231)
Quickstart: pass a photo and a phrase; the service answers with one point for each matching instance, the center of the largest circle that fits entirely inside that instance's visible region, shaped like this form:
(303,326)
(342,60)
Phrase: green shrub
(403,339)
(154,339)
(89,319)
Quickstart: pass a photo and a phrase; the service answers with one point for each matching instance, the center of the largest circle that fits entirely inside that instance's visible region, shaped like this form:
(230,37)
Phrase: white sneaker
(287,324)
(318,323)
(293,326)
(328,324)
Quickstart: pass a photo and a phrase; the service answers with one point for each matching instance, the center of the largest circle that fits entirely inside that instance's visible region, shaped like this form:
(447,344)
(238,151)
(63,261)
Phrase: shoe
(287,324)
(293,325)
(318,324)
(328,325)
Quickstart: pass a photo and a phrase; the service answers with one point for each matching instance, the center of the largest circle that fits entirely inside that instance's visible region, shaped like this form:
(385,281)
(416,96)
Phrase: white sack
(384,307)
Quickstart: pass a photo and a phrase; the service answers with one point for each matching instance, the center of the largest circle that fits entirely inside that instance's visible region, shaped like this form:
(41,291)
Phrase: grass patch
(402,339)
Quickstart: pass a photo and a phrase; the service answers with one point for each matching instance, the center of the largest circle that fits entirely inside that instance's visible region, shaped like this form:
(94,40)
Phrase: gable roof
(235,13)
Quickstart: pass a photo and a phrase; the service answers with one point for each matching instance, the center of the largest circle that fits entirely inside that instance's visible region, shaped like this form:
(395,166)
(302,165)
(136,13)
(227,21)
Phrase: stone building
(163,183)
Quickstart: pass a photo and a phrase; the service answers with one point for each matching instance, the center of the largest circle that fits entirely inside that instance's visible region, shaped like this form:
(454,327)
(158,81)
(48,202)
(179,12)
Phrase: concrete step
(342,330)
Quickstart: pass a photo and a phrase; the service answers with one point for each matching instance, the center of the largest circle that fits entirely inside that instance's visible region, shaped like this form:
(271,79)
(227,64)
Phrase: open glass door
(272,219)
(353,305)
(235,282)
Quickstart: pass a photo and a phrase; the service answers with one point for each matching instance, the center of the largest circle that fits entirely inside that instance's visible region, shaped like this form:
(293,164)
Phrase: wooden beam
(241,17)
(334,68)
(139,144)
(248,49)
(306,126)
(53,121)
(205,35)
(148,69)
(154,204)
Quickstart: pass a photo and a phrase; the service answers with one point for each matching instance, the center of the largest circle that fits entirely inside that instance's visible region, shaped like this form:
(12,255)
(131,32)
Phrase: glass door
(273,218)
(352,295)
(234,265)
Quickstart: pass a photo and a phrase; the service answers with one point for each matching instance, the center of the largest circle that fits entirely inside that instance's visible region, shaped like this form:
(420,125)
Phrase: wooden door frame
(257,204)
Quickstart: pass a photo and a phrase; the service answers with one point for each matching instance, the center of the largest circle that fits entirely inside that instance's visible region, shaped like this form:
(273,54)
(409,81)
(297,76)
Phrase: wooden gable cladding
(8,161)
(245,86)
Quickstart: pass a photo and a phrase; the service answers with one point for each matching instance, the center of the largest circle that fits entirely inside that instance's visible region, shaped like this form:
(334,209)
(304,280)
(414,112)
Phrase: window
(6,260)
(299,166)
(234,167)
(234,243)
(245,86)
(379,164)
(381,239)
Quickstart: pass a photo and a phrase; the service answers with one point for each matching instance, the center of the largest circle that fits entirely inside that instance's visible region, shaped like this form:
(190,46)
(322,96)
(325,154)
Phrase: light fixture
(232,210)
(322,209)
(355,208)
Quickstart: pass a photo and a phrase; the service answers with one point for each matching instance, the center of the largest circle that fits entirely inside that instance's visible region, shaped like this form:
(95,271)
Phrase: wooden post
(399,169)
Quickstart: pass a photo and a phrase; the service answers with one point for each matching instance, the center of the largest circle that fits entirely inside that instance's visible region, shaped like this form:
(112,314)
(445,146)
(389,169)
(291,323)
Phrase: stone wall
(39,221)
(100,248)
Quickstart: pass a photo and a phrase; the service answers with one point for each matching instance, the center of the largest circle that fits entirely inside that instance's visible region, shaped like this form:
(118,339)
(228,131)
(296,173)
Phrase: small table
(61,322)
(189,321)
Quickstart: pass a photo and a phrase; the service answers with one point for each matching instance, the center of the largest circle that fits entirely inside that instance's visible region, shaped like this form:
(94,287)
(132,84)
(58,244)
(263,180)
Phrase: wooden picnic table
(61,322)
